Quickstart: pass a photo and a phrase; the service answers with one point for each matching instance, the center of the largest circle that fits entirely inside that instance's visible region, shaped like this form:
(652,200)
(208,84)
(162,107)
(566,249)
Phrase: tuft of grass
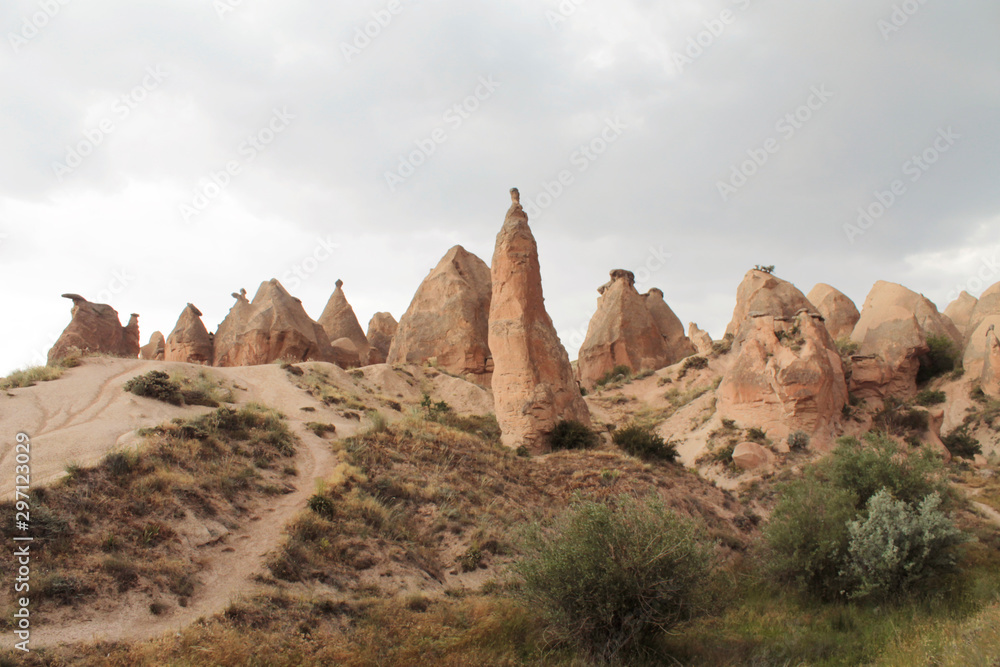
(28,377)
(929,397)
(616,376)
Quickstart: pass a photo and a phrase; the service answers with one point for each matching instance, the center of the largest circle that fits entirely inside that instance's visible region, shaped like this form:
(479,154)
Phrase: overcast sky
(163,152)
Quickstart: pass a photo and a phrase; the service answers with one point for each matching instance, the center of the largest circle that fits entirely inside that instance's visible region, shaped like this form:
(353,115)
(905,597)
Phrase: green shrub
(755,434)
(898,548)
(961,444)
(865,468)
(692,364)
(645,443)
(156,385)
(571,434)
(610,578)
(896,419)
(942,358)
(930,397)
(620,373)
(798,441)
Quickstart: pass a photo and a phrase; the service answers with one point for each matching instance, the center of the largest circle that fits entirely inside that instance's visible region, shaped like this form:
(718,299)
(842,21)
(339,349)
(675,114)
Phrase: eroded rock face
(533,383)
(95,328)
(700,339)
(763,294)
(190,341)
(990,376)
(678,345)
(448,319)
(751,456)
(621,332)
(960,310)
(381,330)
(837,309)
(273,327)
(339,321)
(985,316)
(787,376)
(885,295)
(155,348)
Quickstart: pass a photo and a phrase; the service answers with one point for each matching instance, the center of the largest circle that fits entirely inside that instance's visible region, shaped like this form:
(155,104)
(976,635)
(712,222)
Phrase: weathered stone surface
(448,319)
(155,348)
(985,316)
(339,321)
(533,383)
(885,295)
(190,341)
(95,328)
(762,294)
(751,456)
(678,345)
(986,306)
(990,377)
(621,333)
(381,330)
(932,436)
(701,340)
(273,327)
(960,310)
(837,309)
(787,376)
(345,353)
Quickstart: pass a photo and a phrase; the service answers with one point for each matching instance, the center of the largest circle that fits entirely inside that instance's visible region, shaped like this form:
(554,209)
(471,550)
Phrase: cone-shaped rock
(190,341)
(533,383)
(274,326)
(381,330)
(885,295)
(960,310)
(339,321)
(448,318)
(700,339)
(155,348)
(985,316)
(95,327)
(678,345)
(762,294)
(837,309)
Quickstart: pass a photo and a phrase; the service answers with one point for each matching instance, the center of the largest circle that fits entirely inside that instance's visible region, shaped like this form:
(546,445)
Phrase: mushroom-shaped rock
(339,321)
(700,339)
(837,309)
(95,327)
(190,341)
(762,294)
(960,310)
(381,330)
(273,327)
(155,348)
(448,318)
(751,456)
(533,383)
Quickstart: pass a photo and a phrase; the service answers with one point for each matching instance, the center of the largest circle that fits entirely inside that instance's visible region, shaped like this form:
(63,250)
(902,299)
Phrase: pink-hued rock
(701,340)
(448,319)
(345,353)
(751,456)
(960,310)
(155,348)
(381,330)
(932,437)
(989,379)
(533,383)
(837,309)
(762,294)
(678,345)
(95,328)
(885,296)
(985,316)
(190,341)
(273,327)
(339,321)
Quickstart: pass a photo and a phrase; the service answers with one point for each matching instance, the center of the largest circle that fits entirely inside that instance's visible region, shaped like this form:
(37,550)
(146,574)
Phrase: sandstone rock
(701,340)
(448,319)
(346,353)
(533,383)
(960,310)
(984,317)
(990,377)
(621,333)
(787,376)
(339,321)
(762,294)
(889,356)
(932,436)
(885,295)
(95,328)
(273,327)
(381,330)
(837,309)
(979,461)
(986,306)
(751,456)
(189,342)
(678,345)
(155,349)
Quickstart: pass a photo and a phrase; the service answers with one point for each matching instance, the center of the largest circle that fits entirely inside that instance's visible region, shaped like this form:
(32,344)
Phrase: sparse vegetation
(571,434)
(29,377)
(645,443)
(201,390)
(721,347)
(942,358)
(798,441)
(929,397)
(895,418)
(616,376)
(695,363)
(961,444)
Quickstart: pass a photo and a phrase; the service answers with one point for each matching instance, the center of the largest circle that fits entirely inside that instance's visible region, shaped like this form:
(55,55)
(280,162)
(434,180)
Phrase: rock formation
(381,330)
(339,321)
(190,341)
(837,309)
(621,333)
(787,376)
(95,327)
(885,295)
(447,321)
(761,293)
(960,310)
(701,340)
(985,315)
(155,349)
(274,326)
(345,353)
(678,345)
(533,383)
(750,456)
(989,378)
